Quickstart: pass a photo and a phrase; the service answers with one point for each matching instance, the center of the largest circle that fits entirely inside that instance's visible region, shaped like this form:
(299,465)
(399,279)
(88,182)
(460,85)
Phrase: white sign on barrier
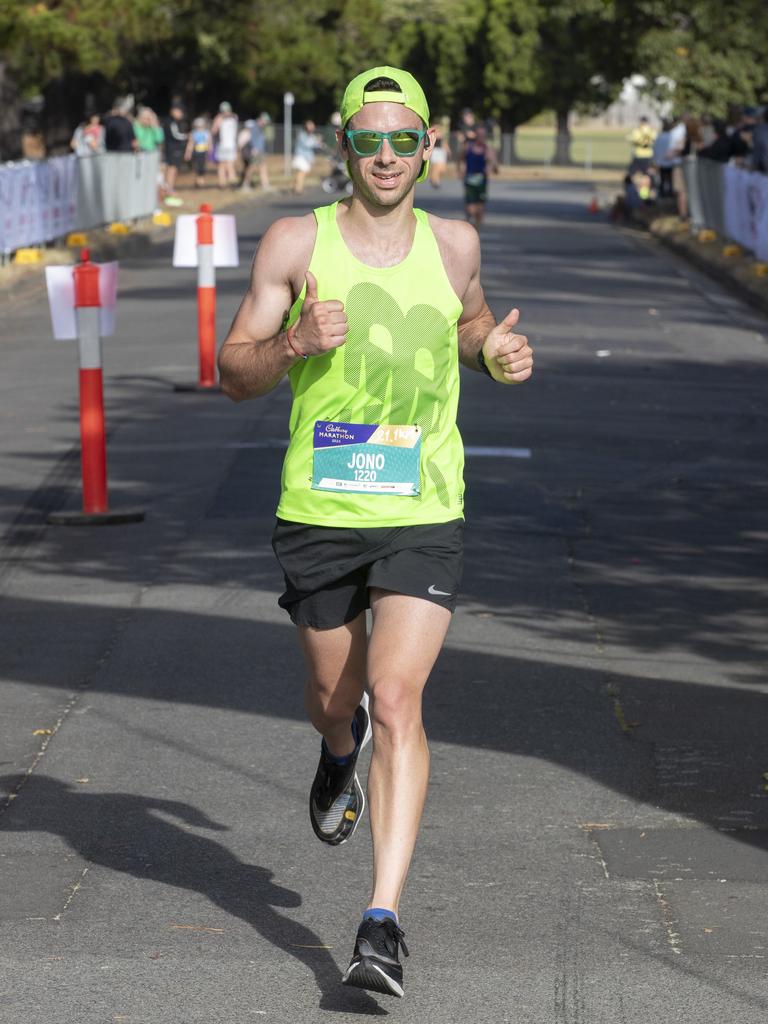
(60,282)
(38,201)
(746,209)
(225,252)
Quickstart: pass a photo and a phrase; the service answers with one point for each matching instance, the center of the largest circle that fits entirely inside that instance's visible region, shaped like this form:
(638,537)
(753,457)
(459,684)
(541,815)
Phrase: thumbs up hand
(507,354)
(322,325)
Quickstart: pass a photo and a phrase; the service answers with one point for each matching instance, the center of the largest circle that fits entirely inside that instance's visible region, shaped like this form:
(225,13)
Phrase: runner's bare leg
(406,638)
(335,681)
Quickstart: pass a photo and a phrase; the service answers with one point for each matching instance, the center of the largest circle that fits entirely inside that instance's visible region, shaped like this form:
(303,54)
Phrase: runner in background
(476,162)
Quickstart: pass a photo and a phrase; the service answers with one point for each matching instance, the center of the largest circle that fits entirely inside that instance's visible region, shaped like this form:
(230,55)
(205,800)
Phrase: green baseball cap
(409,93)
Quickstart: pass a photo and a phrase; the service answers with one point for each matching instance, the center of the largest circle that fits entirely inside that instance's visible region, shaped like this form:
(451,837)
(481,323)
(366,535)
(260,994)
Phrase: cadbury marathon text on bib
(366,458)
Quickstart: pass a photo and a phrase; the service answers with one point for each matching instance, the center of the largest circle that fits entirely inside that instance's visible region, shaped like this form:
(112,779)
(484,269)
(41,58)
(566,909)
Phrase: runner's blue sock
(379,914)
(344,760)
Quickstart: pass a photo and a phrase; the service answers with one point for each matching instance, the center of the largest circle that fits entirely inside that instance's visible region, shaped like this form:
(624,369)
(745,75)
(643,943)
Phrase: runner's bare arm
(507,354)
(460,249)
(256,353)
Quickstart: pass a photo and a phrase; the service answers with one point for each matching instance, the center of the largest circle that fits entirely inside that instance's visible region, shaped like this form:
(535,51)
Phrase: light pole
(288,100)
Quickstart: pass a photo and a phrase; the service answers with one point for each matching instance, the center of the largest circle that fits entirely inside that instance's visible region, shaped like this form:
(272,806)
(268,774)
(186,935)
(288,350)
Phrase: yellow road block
(118,229)
(761,269)
(732,250)
(162,219)
(706,235)
(28,256)
(77,239)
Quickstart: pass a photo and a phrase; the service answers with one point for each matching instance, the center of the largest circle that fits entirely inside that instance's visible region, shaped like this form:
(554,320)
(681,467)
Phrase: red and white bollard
(206,299)
(205,241)
(93,446)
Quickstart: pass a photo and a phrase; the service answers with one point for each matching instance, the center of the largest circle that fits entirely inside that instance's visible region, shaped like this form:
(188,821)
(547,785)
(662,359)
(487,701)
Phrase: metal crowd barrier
(116,186)
(710,174)
(730,200)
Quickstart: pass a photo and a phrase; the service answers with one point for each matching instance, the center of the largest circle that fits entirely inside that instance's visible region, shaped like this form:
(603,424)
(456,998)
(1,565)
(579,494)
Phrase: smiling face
(386,178)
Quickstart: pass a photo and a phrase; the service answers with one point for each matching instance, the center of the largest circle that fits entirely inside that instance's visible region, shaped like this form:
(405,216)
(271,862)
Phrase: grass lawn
(604,148)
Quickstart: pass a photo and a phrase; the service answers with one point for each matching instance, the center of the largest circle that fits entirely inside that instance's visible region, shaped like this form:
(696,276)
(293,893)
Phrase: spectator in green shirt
(149,134)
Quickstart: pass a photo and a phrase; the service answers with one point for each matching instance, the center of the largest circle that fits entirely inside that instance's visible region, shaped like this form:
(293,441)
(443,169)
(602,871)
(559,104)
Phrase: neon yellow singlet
(399,366)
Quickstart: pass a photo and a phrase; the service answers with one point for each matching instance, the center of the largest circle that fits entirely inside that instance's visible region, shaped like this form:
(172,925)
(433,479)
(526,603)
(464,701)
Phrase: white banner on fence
(60,282)
(38,201)
(225,252)
(746,209)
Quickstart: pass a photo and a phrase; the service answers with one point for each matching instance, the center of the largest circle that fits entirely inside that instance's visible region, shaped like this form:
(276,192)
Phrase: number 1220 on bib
(366,458)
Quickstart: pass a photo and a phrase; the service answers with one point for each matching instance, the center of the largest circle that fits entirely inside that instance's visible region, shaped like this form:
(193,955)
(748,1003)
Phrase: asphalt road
(595,846)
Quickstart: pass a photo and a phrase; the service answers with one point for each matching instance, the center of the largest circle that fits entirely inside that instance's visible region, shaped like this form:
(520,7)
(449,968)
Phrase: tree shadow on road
(131,834)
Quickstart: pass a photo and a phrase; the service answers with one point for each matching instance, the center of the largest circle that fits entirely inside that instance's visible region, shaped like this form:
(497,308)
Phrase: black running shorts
(329,569)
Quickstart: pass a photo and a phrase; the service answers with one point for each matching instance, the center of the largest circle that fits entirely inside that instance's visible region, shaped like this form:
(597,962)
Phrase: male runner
(369,306)
(476,162)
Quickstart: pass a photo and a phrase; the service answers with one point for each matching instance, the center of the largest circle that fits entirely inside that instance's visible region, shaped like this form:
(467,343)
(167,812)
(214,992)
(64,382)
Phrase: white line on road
(498,453)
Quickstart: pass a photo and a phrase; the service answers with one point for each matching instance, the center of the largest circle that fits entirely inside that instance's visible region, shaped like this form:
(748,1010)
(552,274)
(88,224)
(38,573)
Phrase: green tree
(586,50)
(706,56)
(44,42)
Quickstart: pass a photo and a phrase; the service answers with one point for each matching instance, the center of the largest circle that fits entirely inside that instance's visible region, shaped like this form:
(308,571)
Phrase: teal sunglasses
(404,141)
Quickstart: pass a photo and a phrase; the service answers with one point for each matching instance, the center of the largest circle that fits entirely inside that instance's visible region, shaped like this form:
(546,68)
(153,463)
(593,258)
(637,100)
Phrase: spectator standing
(88,139)
(642,139)
(245,147)
(199,145)
(720,148)
(224,130)
(439,156)
(678,134)
(688,155)
(146,128)
(741,134)
(661,159)
(760,144)
(257,158)
(307,145)
(707,130)
(175,135)
(118,127)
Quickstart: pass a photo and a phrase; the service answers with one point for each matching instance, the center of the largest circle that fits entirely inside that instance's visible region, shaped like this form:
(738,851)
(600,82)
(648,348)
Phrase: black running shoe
(336,800)
(375,963)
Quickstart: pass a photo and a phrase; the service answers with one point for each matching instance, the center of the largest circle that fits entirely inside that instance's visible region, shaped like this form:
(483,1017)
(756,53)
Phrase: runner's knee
(395,710)
(331,705)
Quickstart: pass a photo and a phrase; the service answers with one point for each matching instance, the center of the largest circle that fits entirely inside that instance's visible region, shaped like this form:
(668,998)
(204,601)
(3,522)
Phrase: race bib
(366,458)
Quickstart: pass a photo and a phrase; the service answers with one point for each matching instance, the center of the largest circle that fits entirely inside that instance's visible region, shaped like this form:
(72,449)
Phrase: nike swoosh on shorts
(438,593)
